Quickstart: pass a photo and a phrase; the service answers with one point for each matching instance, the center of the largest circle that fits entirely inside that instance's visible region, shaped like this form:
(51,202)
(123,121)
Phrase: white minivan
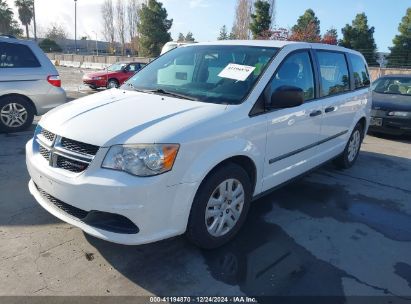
(192,139)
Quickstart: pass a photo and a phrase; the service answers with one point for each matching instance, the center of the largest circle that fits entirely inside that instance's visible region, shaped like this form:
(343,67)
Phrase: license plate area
(376,121)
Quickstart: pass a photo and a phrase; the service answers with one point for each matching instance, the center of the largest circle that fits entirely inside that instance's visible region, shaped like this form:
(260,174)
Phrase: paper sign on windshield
(237,71)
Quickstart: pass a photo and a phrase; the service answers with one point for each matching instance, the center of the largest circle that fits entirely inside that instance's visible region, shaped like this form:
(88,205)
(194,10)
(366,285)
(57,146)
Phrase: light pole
(96,42)
(75,25)
(34,20)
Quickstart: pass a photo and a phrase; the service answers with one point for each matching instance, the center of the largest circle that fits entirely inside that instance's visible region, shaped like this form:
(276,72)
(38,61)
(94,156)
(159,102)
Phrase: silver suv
(29,84)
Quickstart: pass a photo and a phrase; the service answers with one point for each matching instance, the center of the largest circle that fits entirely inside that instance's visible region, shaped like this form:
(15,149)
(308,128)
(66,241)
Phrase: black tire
(112,83)
(343,161)
(197,231)
(21,103)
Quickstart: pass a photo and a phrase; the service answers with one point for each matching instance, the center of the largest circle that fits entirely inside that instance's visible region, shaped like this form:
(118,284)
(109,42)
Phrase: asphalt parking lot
(334,233)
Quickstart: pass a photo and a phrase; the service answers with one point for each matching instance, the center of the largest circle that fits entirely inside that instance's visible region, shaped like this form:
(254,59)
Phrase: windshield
(116,67)
(391,85)
(215,74)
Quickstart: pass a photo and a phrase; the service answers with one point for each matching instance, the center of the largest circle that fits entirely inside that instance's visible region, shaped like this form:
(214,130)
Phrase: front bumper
(391,124)
(158,210)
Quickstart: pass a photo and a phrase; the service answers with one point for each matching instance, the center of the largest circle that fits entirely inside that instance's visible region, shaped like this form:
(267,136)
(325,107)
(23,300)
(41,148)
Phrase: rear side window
(360,72)
(13,55)
(333,73)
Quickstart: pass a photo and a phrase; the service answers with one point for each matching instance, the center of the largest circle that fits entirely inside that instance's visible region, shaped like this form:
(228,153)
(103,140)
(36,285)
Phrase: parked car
(114,76)
(29,84)
(188,142)
(391,109)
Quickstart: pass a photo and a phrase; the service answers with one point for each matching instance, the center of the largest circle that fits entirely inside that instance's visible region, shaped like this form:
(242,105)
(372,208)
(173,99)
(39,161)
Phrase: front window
(394,85)
(116,67)
(215,74)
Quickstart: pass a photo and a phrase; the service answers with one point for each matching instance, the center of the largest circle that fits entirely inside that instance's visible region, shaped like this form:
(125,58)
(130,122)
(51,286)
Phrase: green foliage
(223,33)
(401,51)
(359,36)
(8,25)
(307,28)
(261,19)
(181,37)
(56,32)
(190,37)
(49,45)
(25,9)
(153,28)
(330,37)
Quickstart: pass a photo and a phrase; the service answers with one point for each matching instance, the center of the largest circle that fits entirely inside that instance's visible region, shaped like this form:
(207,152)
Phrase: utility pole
(96,42)
(75,25)
(34,20)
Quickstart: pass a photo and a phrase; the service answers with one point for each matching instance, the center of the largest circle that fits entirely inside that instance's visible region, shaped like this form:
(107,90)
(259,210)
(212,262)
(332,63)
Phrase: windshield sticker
(236,72)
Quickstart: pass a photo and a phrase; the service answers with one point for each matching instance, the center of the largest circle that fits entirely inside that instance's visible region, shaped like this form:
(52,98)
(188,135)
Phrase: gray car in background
(29,84)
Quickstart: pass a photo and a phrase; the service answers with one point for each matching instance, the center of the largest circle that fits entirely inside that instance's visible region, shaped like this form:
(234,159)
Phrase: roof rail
(7,36)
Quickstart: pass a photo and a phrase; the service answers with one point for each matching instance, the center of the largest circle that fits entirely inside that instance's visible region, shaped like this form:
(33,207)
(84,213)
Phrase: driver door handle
(316,113)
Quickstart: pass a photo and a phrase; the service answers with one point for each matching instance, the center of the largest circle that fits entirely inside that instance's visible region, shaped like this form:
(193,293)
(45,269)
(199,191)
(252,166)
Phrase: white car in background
(188,142)
(29,84)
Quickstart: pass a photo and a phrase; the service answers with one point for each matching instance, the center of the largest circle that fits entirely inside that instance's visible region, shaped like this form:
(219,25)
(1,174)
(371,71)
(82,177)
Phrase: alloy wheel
(13,115)
(354,145)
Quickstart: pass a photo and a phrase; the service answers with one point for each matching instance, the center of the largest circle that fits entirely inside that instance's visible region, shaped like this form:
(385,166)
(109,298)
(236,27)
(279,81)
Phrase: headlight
(399,114)
(142,160)
(98,78)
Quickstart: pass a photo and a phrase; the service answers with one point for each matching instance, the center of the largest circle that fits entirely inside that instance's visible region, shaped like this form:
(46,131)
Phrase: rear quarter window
(14,55)
(360,72)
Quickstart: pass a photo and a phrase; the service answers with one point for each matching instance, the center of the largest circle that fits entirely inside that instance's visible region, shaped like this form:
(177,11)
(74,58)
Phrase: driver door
(292,133)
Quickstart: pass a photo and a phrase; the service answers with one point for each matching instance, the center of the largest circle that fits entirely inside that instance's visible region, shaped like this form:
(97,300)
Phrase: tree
(223,33)
(8,25)
(261,19)
(359,36)
(25,10)
(56,32)
(189,37)
(307,28)
(132,18)
(107,11)
(330,37)
(154,28)
(241,26)
(181,37)
(49,45)
(120,24)
(401,51)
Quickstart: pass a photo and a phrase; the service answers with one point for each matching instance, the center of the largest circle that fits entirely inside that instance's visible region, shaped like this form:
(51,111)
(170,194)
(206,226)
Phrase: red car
(113,77)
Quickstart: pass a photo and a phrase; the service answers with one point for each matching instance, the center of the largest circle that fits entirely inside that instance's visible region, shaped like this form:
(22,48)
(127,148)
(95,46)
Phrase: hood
(126,117)
(98,74)
(391,102)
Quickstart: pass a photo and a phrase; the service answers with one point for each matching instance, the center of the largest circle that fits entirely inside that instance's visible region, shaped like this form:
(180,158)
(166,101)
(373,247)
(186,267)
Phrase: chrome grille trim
(61,156)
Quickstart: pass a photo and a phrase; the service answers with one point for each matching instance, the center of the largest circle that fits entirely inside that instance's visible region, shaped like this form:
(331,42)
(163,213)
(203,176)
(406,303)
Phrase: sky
(204,18)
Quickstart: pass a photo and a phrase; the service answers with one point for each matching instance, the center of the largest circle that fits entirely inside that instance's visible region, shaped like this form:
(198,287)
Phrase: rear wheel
(16,114)
(220,207)
(112,83)
(349,156)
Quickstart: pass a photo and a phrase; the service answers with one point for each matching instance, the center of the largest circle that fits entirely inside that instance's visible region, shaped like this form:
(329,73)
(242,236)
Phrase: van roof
(276,44)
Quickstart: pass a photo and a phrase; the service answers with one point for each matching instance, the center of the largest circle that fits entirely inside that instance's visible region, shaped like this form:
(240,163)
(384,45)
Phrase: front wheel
(220,207)
(349,156)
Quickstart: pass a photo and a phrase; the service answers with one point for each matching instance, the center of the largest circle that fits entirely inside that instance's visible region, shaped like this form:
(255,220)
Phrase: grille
(73,211)
(70,165)
(78,147)
(44,152)
(48,135)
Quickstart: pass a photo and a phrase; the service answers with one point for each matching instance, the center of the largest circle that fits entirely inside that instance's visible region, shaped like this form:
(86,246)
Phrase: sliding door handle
(329,109)
(316,113)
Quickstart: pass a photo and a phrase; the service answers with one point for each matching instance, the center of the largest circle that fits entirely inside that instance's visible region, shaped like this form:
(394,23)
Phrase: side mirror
(286,97)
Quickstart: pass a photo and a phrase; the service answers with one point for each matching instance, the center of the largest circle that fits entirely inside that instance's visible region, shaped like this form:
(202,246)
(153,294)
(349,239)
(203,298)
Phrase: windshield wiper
(173,94)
